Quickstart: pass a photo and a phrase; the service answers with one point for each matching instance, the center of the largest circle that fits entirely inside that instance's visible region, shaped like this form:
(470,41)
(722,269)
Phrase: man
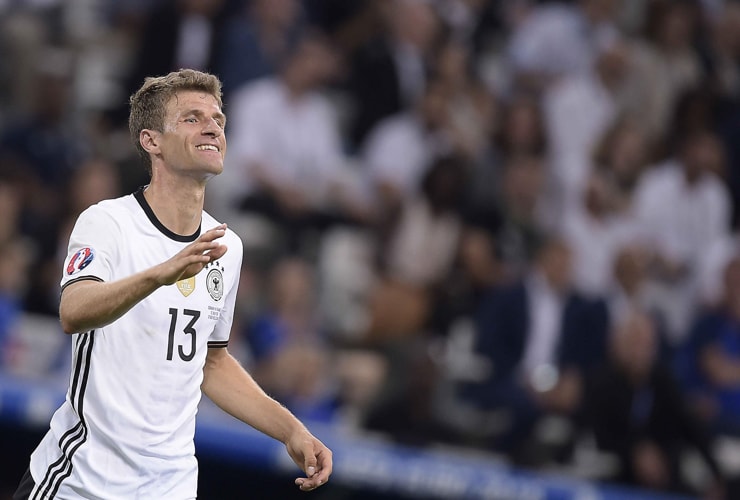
(148,292)
(542,341)
(639,414)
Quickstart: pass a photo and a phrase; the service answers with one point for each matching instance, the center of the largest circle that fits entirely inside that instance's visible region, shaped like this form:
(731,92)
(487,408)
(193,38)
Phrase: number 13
(194,315)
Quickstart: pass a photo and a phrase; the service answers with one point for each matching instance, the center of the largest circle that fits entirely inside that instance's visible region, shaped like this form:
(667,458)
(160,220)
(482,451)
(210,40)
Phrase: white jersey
(126,428)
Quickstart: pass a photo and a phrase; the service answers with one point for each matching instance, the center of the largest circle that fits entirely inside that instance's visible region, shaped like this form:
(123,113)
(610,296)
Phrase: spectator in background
(389,73)
(518,131)
(256,41)
(401,147)
(41,152)
(290,356)
(578,110)
(683,207)
(543,341)
(178,34)
(15,258)
(712,357)
(419,254)
(471,105)
(666,61)
(287,162)
(724,39)
(95,179)
(504,229)
(41,145)
(630,293)
(518,227)
(521,130)
(638,413)
(596,231)
(11,206)
(723,56)
(15,261)
(558,39)
(621,157)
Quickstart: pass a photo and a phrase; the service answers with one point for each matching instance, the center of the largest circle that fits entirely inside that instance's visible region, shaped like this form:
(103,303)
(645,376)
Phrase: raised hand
(193,258)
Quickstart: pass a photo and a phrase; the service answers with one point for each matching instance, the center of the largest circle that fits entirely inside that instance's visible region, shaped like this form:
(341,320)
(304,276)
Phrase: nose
(212,128)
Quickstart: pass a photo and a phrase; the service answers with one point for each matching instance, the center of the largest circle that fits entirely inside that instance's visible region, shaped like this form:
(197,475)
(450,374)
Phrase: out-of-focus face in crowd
(554,261)
(634,345)
(413,22)
(703,153)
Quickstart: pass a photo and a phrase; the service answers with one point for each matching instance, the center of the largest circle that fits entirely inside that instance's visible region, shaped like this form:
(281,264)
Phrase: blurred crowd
(504,224)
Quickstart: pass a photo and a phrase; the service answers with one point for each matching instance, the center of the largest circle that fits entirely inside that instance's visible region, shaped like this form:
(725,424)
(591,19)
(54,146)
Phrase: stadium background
(395,167)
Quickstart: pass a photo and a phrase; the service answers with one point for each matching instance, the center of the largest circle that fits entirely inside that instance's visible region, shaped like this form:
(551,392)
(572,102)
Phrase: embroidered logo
(215,281)
(186,286)
(80,260)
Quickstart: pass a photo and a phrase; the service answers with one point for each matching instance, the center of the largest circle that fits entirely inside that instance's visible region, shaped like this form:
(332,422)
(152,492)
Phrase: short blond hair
(149,103)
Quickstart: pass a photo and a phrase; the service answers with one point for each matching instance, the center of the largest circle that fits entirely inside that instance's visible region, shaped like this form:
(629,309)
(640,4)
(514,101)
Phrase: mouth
(208,147)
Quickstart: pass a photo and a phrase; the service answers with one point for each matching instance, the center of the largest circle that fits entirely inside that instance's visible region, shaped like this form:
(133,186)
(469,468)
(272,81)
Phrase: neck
(178,206)
(295,87)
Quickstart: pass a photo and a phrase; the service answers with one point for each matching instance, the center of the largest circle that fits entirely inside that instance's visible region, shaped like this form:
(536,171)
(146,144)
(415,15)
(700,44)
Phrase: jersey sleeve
(220,335)
(93,248)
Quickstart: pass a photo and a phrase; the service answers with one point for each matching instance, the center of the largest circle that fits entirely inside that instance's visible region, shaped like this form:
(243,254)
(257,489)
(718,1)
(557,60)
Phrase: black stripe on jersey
(75,432)
(81,278)
(217,343)
(139,195)
(77,435)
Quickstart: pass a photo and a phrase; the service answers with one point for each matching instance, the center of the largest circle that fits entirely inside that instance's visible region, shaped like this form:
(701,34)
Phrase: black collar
(139,195)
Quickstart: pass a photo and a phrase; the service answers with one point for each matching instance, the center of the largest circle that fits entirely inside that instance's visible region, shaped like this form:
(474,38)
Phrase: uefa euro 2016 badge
(215,280)
(80,260)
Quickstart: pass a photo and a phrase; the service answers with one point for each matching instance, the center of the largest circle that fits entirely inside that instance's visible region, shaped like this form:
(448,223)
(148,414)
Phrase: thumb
(310,461)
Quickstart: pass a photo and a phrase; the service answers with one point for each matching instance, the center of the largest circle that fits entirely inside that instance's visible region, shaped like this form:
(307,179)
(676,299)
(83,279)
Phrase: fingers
(213,233)
(318,469)
(218,252)
(207,246)
(306,484)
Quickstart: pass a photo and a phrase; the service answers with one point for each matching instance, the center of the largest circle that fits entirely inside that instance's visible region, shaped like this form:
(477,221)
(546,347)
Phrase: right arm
(90,304)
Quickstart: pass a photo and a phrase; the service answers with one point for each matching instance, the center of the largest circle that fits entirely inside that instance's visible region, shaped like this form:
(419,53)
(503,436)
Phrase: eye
(191,120)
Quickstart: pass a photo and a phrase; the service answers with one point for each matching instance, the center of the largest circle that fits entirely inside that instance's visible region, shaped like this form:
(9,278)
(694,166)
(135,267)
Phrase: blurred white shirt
(399,150)
(577,112)
(595,244)
(296,141)
(556,40)
(681,220)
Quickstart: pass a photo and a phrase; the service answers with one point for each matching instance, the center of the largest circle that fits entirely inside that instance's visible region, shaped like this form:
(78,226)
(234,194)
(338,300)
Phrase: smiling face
(193,140)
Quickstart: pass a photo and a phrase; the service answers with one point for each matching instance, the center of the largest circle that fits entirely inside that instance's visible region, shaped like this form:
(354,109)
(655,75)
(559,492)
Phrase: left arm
(233,390)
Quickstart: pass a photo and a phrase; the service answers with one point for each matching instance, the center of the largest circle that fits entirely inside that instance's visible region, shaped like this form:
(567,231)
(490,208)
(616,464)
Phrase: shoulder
(108,211)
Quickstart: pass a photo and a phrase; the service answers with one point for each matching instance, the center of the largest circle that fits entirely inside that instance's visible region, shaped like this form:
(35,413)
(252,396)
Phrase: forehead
(189,100)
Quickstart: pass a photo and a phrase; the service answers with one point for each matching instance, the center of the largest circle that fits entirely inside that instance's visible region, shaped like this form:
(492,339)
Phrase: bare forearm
(233,390)
(90,304)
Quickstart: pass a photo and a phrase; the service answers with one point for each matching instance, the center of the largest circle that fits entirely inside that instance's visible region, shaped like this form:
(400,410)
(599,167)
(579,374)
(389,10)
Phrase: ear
(149,140)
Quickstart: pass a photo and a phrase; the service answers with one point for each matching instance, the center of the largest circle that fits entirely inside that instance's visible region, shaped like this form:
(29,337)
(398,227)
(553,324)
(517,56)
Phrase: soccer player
(148,293)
